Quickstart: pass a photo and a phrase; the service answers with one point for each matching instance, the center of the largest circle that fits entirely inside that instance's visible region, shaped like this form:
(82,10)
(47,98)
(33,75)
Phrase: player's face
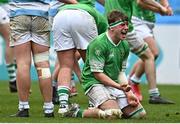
(121,30)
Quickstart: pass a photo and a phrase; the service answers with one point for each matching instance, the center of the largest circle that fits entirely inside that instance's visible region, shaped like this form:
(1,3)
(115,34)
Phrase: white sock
(154,92)
(135,79)
(48,107)
(23,105)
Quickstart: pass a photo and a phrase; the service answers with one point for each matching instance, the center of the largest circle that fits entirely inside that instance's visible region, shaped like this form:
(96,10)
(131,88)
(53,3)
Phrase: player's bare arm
(165,3)
(107,81)
(153,6)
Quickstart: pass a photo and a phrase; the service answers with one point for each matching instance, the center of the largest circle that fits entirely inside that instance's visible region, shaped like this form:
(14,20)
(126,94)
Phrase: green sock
(80,113)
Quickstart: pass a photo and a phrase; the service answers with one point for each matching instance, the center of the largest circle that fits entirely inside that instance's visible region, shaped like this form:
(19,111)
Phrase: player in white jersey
(30,33)
(9,54)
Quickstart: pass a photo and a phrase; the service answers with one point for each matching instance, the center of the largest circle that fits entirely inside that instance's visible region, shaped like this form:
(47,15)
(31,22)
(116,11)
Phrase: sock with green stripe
(63,93)
(154,92)
(80,113)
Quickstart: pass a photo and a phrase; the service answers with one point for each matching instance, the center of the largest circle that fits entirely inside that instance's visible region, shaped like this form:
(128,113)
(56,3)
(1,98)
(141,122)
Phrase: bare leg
(45,83)
(23,56)
(108,110)
(66,60)
(139,67)
(41,61)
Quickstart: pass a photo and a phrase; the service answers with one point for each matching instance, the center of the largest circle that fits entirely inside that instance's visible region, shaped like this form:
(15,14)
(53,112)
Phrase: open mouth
(124,32)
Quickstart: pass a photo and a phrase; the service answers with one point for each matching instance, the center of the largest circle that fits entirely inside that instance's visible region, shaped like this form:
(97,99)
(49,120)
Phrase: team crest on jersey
(122,53)
(97,52)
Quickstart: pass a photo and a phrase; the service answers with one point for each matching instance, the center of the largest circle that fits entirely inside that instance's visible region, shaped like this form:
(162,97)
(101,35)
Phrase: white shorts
(73,29)
(29,28)
(143,28)
(4,18)
(99,93)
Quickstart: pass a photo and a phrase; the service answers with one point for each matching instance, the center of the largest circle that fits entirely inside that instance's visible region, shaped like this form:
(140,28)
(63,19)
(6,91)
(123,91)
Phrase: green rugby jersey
(103,56)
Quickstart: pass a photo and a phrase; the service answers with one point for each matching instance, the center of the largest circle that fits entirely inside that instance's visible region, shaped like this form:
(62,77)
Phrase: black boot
(21,113)
(13,87)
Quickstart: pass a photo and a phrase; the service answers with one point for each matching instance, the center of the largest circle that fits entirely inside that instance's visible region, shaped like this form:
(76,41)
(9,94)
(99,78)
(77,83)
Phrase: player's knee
(42,65)
(147,56)
(44,72)
(41,57)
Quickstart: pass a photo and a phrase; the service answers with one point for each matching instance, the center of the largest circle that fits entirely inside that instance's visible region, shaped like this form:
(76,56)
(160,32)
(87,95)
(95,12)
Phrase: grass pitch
(155,113)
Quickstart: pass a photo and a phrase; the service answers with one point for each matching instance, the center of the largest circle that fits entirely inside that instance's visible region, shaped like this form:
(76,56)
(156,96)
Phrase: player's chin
(123,37)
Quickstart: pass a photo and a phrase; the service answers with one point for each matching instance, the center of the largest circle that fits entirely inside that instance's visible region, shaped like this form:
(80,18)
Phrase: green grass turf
(155,113)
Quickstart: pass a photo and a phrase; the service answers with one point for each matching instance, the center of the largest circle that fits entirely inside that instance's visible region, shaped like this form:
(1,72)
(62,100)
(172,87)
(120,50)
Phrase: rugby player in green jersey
(137,45)
(105,59)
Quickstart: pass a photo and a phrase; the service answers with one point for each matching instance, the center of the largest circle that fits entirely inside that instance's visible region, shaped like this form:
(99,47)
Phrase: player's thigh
(5,31)
(66,58)
(152,45)
(37,48)
(23,54)
(100,97)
